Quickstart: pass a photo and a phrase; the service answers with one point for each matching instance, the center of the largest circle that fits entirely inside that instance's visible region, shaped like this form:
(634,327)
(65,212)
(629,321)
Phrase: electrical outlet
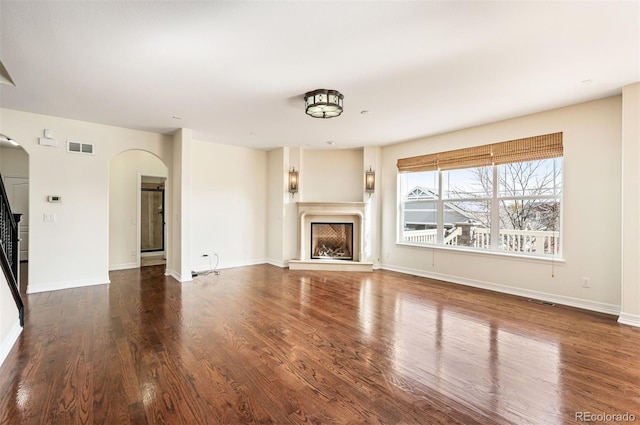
(133,252)
(586,282)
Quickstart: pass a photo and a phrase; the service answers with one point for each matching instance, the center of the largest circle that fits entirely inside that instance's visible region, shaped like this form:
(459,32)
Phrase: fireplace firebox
(332,241)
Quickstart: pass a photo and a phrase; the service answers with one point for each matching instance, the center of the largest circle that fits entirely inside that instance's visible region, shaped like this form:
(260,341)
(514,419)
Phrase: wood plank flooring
(153,260)
(264,345)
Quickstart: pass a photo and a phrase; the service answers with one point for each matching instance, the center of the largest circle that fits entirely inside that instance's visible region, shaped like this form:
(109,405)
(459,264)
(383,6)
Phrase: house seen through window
(514,206)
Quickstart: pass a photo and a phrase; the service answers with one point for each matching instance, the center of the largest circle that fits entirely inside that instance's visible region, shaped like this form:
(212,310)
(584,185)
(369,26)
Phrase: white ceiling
(235,72)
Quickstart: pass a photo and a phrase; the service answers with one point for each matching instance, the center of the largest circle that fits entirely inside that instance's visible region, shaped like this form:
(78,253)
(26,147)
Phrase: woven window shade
(527,149)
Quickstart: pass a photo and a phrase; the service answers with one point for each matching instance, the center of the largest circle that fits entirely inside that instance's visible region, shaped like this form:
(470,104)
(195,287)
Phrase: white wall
(293,157)
(591,210)
(276,192)
(174,260)
(9,323)
(332,176)
(631,206)
(185,145)
(229,205)
(14,162)
(372,157)
(124,191)
(73,250)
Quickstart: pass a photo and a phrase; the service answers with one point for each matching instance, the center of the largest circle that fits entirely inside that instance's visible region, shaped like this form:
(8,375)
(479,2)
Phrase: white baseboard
(629,319)
(230,265)
(68,284)
(526,293)
(10,340)
(123,266)
(278,263)
(174,274)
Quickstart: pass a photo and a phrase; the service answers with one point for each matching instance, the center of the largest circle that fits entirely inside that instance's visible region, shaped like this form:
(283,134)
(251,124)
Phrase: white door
(18,193)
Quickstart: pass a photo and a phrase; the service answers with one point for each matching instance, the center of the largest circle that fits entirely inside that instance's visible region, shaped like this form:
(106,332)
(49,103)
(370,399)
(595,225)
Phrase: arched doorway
(129,173)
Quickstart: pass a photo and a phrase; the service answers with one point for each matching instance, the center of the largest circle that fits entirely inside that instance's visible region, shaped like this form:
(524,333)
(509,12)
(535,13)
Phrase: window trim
(542,147)
(495,225)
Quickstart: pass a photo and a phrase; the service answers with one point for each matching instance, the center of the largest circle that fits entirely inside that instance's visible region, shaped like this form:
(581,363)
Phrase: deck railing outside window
(524,241)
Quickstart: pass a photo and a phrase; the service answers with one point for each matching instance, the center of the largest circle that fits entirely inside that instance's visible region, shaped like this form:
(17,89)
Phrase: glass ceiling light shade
(323,103)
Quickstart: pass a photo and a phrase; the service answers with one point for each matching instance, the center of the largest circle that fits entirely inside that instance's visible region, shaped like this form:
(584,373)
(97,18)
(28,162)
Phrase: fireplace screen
(332,241)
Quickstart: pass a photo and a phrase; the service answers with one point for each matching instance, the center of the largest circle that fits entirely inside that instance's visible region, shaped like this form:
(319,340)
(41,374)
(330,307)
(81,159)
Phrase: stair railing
(9,248)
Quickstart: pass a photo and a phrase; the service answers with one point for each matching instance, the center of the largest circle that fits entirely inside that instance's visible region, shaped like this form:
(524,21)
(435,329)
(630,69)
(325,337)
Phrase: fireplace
(332,241)
(332,236)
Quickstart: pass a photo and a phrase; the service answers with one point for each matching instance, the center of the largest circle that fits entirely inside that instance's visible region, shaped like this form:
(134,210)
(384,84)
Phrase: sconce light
(370,181)
(293,181)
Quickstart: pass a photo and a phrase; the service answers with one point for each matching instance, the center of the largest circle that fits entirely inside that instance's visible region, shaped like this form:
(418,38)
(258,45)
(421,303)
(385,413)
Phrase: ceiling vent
(77,147)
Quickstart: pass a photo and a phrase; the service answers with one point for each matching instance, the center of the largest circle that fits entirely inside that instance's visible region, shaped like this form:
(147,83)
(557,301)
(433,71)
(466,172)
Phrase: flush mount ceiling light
(323,103)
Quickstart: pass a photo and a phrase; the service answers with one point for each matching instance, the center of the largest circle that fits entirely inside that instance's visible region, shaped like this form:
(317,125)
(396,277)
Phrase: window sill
(472,251)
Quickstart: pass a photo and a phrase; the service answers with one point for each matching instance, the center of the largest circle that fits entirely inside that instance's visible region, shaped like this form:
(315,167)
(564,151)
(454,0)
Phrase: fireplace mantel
(351,212)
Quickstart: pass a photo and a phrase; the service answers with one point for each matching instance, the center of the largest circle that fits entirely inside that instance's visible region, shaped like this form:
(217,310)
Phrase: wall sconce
(293,181)
(370,181)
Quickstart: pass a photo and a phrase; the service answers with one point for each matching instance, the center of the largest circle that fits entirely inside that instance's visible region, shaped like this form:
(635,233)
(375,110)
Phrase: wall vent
(77,147)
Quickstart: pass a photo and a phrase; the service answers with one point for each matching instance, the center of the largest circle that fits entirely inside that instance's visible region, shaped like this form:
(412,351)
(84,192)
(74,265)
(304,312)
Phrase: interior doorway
(152,217)
(152,221)
(128,171)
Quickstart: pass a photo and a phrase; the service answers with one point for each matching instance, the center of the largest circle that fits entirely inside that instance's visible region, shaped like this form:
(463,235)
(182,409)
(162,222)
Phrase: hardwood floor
(154,260)
(267,345)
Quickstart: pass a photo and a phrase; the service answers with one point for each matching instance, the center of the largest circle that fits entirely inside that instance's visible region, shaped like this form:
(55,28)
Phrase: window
(504,197)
